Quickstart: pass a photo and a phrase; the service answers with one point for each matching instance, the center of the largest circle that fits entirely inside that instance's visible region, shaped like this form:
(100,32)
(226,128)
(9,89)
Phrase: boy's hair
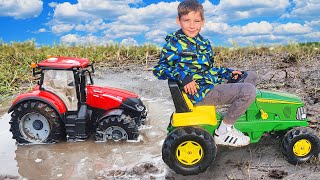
(187,6)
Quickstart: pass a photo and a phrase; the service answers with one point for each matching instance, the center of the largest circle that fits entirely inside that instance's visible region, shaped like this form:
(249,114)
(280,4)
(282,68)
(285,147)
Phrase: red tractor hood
(107,97)
(115,92)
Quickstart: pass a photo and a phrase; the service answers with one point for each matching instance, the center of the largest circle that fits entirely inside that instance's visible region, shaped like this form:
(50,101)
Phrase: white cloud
(88,9)
(68,13)
(151,14)
(259,39)
(62,28)
(91,26)
(165,24)
(21,9)
(42,30)
(129,42)
(313,36)
(253,28)
(124,27)
(157,28)
(73,39)
(53,4)
(306,9)
(156,36)
(244,5)
(258,6)
(313,24)
(231,10)
(94,16)
(215,27)
(133,1)
(69,39)
(256,28)
(208,6)
(104,9)
(291,28)
(118,30)
(124,19)
(113,35)
(263,32)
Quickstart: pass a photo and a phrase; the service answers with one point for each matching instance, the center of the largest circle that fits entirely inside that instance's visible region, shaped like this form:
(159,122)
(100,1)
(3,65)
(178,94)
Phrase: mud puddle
(85,160)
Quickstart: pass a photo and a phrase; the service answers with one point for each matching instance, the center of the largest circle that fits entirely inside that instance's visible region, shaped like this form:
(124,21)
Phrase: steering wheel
(240,78)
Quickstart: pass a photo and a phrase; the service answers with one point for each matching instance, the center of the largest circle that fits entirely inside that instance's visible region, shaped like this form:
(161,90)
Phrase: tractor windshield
(61,83)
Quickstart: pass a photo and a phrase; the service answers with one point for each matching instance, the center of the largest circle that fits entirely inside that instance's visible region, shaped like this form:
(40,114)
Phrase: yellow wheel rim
(189,153)
(302,147)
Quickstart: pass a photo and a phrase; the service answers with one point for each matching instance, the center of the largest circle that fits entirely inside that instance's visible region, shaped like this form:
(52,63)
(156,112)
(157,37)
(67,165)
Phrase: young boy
(188,58)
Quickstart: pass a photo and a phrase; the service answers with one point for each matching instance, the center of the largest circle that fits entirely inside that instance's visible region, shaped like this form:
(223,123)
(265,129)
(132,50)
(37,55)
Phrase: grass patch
(15,58)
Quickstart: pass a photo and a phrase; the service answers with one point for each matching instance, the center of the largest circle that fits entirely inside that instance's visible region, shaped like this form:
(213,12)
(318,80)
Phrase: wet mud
(140,160)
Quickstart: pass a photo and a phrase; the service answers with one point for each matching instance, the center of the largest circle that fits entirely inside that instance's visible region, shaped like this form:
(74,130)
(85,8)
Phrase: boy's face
(191,23)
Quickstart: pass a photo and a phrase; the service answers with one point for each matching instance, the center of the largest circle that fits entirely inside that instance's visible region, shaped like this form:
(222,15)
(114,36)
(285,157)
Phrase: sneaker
(232,138)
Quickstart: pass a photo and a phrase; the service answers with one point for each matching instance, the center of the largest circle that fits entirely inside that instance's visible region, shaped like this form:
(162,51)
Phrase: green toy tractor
(190,149)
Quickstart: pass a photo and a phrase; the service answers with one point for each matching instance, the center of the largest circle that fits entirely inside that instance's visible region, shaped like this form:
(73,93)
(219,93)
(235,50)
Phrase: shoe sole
(231,145)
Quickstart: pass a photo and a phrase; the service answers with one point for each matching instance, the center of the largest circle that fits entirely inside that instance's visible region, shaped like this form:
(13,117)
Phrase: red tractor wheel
(117,128)
(36,122)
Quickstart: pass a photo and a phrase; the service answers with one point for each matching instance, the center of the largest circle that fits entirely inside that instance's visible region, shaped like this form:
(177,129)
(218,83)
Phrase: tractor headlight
(301,113)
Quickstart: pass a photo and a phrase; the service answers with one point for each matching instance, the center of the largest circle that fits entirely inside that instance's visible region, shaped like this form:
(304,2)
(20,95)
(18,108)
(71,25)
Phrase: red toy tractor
(66,105)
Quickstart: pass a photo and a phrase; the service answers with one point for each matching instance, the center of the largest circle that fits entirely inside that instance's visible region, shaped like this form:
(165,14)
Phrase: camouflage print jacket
(185,59)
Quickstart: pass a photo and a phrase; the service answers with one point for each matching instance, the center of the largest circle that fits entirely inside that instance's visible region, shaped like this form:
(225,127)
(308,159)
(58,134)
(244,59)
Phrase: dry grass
(15,58)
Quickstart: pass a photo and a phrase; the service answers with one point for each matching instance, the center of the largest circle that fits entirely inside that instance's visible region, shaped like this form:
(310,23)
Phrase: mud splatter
(277,174)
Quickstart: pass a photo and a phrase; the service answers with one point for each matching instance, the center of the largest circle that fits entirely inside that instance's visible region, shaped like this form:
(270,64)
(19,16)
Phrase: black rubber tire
(293,136)
(57,129)
(129,126)
(180,135)
(143,118)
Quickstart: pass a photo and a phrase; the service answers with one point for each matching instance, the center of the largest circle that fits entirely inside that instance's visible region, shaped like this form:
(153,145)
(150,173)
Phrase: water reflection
(63,160)
(85,160)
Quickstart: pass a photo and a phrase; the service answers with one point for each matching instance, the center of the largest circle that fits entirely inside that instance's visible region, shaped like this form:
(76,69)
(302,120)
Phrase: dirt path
(142,160)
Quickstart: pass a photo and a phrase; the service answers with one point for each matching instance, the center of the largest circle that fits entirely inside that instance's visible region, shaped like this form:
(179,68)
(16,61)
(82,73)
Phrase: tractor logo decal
(118,98)
(52,59)
(276,101)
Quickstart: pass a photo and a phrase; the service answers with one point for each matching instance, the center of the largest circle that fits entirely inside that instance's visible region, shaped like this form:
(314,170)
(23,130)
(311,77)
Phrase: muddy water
(85,160)
(82,160)
(7,148)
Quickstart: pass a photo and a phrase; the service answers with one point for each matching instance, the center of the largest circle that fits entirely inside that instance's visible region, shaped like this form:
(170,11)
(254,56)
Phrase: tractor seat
(186,114)
(65,92)
(180,99)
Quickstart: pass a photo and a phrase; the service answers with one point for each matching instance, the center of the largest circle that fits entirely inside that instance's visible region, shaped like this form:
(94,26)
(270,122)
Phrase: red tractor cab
(66,105)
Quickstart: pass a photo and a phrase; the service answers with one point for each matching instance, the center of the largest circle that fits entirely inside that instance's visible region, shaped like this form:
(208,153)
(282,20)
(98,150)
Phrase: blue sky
(135,22)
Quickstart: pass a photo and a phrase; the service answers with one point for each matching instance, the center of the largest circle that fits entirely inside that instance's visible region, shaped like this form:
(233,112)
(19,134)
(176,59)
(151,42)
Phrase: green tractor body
(271,111)
(189,147)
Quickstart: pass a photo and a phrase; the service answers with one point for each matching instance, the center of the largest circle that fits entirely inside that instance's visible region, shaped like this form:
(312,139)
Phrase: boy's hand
(236,74)
(191,87)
